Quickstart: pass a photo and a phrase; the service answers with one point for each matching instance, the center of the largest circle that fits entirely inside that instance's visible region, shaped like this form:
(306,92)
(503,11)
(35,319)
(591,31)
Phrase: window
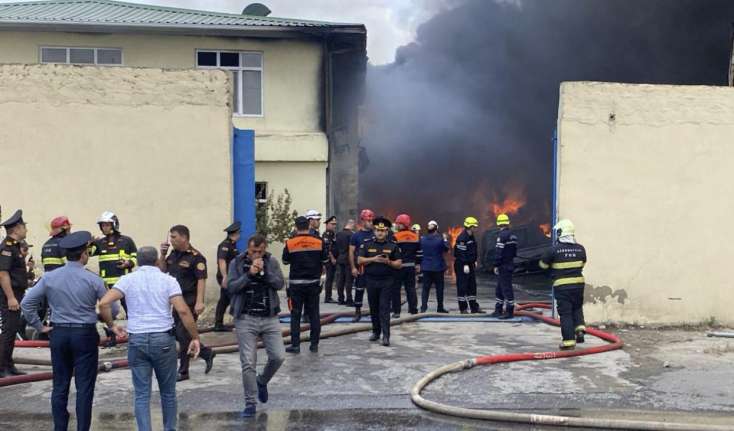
(247,69)
(98,56)
(261,194)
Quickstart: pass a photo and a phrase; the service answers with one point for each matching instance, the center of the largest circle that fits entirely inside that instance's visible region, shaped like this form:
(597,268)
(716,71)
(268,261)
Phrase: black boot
(509,313)
(357,315)
(580,337)
(497,310)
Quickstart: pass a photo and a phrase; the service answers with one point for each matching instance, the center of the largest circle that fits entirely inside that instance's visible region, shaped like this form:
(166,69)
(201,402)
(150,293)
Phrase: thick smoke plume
(465,116)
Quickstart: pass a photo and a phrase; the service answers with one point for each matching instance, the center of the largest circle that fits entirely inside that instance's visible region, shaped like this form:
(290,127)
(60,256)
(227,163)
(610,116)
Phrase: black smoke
(468,110)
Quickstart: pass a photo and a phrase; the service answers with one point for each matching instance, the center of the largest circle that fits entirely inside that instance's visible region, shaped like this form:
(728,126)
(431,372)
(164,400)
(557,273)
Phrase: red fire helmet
(403,219)
(58,223)
(367,214)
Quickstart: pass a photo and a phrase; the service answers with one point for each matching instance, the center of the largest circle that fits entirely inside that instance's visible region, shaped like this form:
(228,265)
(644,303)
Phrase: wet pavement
(354,384)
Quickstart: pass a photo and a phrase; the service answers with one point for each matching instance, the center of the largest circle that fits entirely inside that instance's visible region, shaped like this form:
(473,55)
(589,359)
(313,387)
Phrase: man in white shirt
(149,294)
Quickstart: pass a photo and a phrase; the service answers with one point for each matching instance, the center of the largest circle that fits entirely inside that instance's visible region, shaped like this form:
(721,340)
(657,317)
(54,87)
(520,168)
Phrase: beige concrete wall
(645,172)
(151,145)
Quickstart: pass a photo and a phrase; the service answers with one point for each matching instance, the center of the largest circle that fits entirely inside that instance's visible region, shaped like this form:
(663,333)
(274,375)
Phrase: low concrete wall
(149,144)
(645,172)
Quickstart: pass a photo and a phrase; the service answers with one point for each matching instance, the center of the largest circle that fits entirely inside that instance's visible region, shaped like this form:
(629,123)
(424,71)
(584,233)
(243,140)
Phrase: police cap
(76,240)
(381,223)
(234,227)
(15,219)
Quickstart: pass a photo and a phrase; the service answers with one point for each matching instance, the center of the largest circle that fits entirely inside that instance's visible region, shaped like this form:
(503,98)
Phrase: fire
(454,233)
(511,202)
(546,228)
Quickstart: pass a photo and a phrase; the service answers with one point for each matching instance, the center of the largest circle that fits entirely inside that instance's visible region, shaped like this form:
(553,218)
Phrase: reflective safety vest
(566,263)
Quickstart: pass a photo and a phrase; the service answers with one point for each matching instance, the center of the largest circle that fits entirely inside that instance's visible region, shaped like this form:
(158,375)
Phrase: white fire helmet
(109,217)
(433,224)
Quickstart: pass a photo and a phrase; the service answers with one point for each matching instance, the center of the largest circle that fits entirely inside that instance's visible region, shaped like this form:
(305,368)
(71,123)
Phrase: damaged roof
(110,14)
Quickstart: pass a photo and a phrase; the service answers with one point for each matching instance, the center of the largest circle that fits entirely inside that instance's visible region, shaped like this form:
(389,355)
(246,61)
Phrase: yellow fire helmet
(471,222)
(564,228)
(503,220)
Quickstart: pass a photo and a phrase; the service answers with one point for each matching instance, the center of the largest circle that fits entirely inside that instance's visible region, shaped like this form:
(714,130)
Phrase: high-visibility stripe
(569,280)
(407,265)
(569,343)
(568,265)
(543,265)
(109,257)
(53,261)
(111,280)
(304,281)
(580,328)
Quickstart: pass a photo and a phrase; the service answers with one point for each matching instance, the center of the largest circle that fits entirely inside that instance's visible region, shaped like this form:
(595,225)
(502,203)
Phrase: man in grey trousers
(254,279)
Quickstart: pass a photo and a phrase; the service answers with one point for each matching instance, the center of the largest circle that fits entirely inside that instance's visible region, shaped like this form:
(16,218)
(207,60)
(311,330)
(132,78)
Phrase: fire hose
(415,394)
(538,419)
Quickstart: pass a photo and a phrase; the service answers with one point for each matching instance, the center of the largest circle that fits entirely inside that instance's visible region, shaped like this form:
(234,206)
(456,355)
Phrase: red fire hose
(538,419)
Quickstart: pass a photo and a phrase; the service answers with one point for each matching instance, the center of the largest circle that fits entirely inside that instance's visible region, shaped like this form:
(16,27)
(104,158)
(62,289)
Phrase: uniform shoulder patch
(201,266)
(6,253)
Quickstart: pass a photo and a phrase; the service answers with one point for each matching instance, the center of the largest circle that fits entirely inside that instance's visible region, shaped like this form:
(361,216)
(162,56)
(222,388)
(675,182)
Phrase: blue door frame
(243,176)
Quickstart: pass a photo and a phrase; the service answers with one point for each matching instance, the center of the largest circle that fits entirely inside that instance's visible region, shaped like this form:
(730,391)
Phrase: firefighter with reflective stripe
(380,257)
(364,234)
(52,256)
(410,248)
(117,253)
(306,254)
(465,262)
(329,237)
(566,261)
(504,266)
(226,252)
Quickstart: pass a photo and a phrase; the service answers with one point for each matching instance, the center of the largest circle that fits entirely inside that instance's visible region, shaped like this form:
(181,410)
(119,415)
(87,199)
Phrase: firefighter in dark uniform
(344,280)
(566,261)
(465,261)
(329,237)
(52,256)
(504,266)
(14,282)
(410,247)
(306,254)
(188,267)
(380,258)
(226,252)
(117,253)
(365,233)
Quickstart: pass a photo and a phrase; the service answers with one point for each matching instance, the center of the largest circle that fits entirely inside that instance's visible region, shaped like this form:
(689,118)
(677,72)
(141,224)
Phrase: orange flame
(546,228)
(454,233)
(513,201)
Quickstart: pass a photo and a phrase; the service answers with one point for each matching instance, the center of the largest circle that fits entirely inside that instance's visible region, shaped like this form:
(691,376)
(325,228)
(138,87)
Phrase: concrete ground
(354,384)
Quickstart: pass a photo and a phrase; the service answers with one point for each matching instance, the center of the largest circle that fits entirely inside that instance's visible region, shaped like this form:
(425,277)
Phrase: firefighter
(566,261)
(329,238)
(343,269)
(117,253)
(380,258)
(14,282)
(504,266)
(365,233)
(416,228)
(306,254)
(465,262)
(52,256)
(226,251)
(410,248)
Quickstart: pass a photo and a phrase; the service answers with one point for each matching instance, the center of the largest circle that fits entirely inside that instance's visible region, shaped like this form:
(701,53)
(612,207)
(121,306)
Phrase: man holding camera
(254,279)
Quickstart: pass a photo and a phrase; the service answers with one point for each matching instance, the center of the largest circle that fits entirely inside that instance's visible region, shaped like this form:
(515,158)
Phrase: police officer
(73,293)
(14,282)
(314,222)
(117,253)
(226,251)
(343,269)
(380,258)
(188,266)
(410,247)
(363,234)
(465,258)
(329,237)
(504,266)
(52,256)
(306,254)
(566,261)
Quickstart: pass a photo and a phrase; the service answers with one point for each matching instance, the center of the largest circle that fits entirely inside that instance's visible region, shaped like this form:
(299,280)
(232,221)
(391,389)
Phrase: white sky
(390,23)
